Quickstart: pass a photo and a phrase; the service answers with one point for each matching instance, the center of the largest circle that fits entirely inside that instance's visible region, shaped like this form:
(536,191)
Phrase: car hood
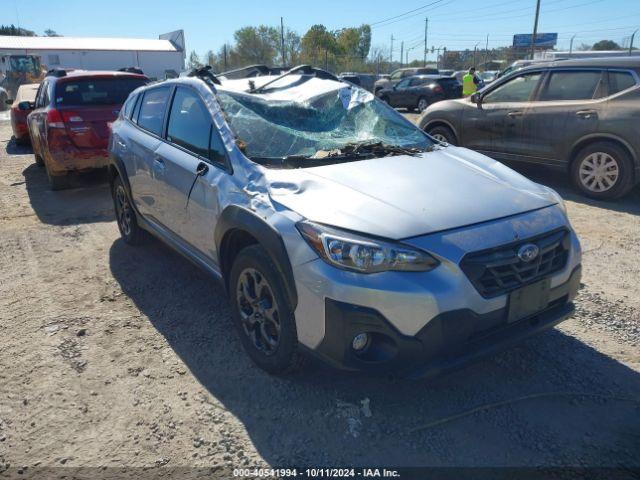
(405,196)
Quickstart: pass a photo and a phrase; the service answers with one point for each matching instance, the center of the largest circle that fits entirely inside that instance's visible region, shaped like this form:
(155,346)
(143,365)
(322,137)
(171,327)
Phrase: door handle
(515,114)
(587,113)
(158,159)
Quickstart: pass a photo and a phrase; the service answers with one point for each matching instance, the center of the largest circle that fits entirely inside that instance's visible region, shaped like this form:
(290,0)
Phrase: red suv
(70,123)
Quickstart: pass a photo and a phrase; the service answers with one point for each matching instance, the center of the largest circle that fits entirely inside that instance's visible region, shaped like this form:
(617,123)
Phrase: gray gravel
(121,356)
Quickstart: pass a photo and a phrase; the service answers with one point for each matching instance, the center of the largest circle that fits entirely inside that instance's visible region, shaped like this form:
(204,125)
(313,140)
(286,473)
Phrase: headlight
(353,252)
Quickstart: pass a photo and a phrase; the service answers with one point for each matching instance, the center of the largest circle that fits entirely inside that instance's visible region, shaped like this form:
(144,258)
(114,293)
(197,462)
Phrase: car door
(564,110)
(193,145)
(36,119)
(397,97)
(494,126)
(148,170)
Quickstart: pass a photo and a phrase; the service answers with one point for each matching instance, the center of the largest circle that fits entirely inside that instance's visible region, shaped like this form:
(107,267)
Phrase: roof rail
(204,73)
(300,69)
(56,72)
(131,70)
(249,71)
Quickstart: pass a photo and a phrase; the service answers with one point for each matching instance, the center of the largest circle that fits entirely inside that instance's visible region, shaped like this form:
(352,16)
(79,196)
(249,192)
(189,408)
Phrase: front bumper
(448,341)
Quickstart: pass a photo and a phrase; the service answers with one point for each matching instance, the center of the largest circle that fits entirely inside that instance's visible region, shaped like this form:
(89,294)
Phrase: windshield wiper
(377,149)
(346,153)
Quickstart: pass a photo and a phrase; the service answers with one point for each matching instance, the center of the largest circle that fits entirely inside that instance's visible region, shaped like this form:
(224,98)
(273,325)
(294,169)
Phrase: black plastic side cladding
(238,218)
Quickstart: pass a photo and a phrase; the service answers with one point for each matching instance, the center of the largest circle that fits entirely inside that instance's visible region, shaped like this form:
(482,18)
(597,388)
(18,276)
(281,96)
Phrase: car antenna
(304,69)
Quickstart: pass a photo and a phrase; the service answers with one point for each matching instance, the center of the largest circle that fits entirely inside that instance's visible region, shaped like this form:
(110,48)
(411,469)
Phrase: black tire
(126,216)
(264,319)
(609,159)
(422,105)
(39,160)
(443,133)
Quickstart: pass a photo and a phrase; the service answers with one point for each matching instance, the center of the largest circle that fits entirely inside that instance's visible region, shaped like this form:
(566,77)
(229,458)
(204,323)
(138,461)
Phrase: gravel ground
(115,356)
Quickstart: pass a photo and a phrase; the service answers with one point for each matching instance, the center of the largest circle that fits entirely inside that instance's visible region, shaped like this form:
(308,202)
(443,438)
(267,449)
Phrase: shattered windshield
(324,126)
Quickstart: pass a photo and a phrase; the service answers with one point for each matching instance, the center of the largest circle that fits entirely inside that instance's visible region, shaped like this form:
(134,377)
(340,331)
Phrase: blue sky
(456,24)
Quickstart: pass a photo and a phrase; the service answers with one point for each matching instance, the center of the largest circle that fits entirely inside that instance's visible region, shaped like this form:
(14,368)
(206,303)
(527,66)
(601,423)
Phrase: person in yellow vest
(470,83)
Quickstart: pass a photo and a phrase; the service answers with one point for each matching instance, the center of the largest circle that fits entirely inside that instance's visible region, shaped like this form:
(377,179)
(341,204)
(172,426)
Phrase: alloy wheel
(123,211)
(599,172)
(258,311)
(439,137)
(422,105)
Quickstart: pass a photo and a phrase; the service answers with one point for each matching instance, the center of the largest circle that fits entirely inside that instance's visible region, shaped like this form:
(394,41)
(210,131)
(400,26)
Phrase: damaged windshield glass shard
(337,123)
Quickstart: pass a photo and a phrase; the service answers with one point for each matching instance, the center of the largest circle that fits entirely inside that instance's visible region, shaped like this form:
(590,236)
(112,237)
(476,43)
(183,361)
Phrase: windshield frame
(423,142)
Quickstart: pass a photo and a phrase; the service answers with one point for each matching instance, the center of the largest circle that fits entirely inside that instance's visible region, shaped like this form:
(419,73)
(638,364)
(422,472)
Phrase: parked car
(488,76)
(420,91)
(578,116)
(69,124)
(518,64)
(446,72)
(364,80)
(401,73)
(26,93)
(338,228)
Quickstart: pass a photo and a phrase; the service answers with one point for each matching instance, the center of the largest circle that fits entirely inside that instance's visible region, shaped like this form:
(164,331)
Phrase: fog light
(360,342)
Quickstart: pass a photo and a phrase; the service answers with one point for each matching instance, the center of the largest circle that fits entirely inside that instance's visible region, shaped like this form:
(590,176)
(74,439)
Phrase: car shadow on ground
(560,182)
(88,199)
(326,417)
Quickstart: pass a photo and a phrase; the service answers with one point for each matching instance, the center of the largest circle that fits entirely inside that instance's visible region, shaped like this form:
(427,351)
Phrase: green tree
(194,60)
(292,44)
(317,44)
(12,30)
(257,44)
(364,44)
(605,45)
(51,33)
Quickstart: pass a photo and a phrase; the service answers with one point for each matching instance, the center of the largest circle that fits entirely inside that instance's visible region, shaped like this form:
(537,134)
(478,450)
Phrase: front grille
(499,270)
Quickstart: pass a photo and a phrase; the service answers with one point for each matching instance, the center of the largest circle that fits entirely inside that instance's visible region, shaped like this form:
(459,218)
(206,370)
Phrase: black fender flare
(234,217)
(115,169)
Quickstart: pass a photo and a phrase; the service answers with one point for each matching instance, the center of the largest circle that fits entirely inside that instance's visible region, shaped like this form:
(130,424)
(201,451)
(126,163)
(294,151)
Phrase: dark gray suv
(579,116)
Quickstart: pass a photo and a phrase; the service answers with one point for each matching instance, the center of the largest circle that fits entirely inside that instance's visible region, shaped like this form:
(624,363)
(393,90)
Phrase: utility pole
(571,44)
(486,52)
(475,49)
(426,29)
(631,42)
(391,55)
(224,49)
(535,29)
(284,60)
(401,52)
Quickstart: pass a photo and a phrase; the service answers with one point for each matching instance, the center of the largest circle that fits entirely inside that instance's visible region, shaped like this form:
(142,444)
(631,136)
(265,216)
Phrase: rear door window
(128,106)
(580,85)
(619,81)
(189,122)
(98,91)
(519,89)
(152,108)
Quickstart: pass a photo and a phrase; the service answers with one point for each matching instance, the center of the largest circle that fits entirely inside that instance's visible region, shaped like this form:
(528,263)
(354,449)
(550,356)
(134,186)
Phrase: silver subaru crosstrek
(338,228)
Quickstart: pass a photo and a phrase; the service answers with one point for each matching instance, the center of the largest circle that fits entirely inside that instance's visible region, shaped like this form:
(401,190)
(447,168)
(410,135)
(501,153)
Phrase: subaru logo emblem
(528,252)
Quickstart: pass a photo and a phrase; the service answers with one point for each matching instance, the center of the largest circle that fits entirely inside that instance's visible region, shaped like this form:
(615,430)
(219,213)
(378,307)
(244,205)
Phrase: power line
(406,13)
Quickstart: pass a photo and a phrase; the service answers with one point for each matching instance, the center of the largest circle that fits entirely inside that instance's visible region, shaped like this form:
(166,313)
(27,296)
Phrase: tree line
(343,49)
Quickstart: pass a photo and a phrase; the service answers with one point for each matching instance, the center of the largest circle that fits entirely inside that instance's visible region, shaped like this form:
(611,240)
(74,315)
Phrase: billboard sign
(548,40)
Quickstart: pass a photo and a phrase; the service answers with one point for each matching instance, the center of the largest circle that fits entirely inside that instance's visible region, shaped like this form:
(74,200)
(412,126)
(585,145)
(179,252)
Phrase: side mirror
(9,101)
(25,106)
(476,98)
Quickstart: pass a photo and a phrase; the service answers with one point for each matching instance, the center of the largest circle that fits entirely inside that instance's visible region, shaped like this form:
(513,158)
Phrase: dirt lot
(119,356)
